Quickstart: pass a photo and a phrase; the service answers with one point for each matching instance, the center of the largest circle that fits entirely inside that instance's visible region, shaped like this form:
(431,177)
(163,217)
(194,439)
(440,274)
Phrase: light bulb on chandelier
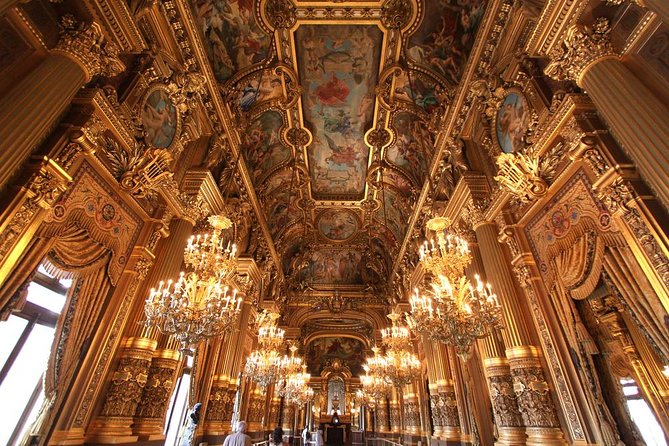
(203,302)
(455,312)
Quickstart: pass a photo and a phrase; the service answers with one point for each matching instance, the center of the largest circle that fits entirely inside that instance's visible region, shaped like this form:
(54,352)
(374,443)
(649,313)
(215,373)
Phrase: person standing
(239,438)
(305,436)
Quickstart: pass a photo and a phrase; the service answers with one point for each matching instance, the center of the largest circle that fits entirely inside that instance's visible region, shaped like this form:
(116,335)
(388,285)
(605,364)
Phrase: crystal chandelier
(400,364)
(456,312)
(265,364)
(296,387)
(202,303)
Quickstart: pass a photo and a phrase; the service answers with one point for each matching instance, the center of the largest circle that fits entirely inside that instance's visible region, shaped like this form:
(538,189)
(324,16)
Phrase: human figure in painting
(239,438)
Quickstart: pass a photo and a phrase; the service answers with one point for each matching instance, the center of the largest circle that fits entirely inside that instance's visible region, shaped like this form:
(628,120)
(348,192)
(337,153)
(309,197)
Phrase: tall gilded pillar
(637,117)
(450,416)
(29,111)
(509,422)
(166,361)
(394,412)
(529,383)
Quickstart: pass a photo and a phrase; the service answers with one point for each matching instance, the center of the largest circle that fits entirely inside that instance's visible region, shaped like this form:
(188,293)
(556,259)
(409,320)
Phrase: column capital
(582,47)
(85,44)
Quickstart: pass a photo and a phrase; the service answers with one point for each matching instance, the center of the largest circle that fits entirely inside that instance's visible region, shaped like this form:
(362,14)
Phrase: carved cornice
(119,21)
(555,17)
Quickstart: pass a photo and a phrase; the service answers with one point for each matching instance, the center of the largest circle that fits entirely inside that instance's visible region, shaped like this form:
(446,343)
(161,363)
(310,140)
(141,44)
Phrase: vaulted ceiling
(337,106)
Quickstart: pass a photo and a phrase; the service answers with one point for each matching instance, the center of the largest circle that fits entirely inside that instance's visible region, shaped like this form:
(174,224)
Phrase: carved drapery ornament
(582,47)
(86,45)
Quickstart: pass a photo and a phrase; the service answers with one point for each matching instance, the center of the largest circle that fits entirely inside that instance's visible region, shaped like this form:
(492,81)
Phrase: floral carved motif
(157,390)
(281,13)
(534,399)
(86,44)
(581,48)
(126,387)
(504,401)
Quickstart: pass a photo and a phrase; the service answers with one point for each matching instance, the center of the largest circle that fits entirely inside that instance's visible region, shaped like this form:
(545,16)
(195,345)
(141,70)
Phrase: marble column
(636,116)
(528,381)
(30,110)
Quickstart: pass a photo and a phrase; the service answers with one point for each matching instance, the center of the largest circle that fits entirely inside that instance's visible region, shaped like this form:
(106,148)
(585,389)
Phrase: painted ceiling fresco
(446,36)
(306,84)
(232,37)
(321,352)
(338,69)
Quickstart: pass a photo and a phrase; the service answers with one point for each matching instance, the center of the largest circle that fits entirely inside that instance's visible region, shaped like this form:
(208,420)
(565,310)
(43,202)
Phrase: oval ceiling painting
(159,116)
(512,121)
(338,225)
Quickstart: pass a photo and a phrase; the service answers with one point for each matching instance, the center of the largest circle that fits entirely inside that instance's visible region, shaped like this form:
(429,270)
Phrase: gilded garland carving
(504,400)
(157,390)
(221,401)
(449,409)
(126,387)
(582,47)
(411,415)
(86,45)
(534,399)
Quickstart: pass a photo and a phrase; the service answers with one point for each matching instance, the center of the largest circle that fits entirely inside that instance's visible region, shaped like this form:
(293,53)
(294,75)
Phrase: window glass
(45,298)
(22,378)
(642,415)
(177,411)
(10,332)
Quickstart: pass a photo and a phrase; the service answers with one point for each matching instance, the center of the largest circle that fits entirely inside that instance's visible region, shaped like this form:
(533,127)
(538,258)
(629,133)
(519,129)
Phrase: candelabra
(265,364)
(455,312)
(202,303)
(296,388)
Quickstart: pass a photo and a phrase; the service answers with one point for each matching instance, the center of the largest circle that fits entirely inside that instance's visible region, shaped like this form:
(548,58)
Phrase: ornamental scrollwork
(504,401)
(86,44)
(126,387)
(534,398)
(582,46)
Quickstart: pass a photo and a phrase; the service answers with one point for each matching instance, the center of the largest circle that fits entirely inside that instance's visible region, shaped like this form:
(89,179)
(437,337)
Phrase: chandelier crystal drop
(203,302)
(265,365)
(375,386)
(455,312)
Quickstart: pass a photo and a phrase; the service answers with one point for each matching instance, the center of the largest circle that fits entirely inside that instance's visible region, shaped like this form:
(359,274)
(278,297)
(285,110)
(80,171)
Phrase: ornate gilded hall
(362,222)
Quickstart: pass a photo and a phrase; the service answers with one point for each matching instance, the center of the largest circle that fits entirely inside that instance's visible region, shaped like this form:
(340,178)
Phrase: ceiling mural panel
(333,266)
(338,225)
(446,35)
(408,151)
(232,36)
(262,146)
(338,70)
(321,352)
(394,213)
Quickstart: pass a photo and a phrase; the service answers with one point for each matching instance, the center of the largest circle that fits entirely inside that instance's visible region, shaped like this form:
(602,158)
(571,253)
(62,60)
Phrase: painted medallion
(337,225)
(160,119)
(512,122)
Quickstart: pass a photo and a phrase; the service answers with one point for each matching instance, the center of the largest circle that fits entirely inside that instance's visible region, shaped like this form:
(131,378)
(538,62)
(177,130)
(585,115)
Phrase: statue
(191,426)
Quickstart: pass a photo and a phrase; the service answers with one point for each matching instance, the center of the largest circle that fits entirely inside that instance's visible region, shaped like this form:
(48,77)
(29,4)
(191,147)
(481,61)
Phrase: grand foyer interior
(319,144)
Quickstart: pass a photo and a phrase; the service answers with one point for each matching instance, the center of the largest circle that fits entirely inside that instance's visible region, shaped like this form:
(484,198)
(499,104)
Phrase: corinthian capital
(583,46)
(85,44)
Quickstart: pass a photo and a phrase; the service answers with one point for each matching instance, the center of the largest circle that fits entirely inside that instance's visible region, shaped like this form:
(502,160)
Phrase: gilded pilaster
(30,110)
(636,116)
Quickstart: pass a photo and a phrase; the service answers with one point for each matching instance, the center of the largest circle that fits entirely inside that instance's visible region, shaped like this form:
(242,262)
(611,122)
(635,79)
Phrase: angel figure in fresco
(346,155)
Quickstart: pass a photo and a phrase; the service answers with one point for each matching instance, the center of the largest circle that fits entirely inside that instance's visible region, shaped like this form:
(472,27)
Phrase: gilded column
(529,383)
(637,117)
(29,111)
(394,412)
(447,398)
(411,413)
(150,414)
(166,360)
(509,422)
